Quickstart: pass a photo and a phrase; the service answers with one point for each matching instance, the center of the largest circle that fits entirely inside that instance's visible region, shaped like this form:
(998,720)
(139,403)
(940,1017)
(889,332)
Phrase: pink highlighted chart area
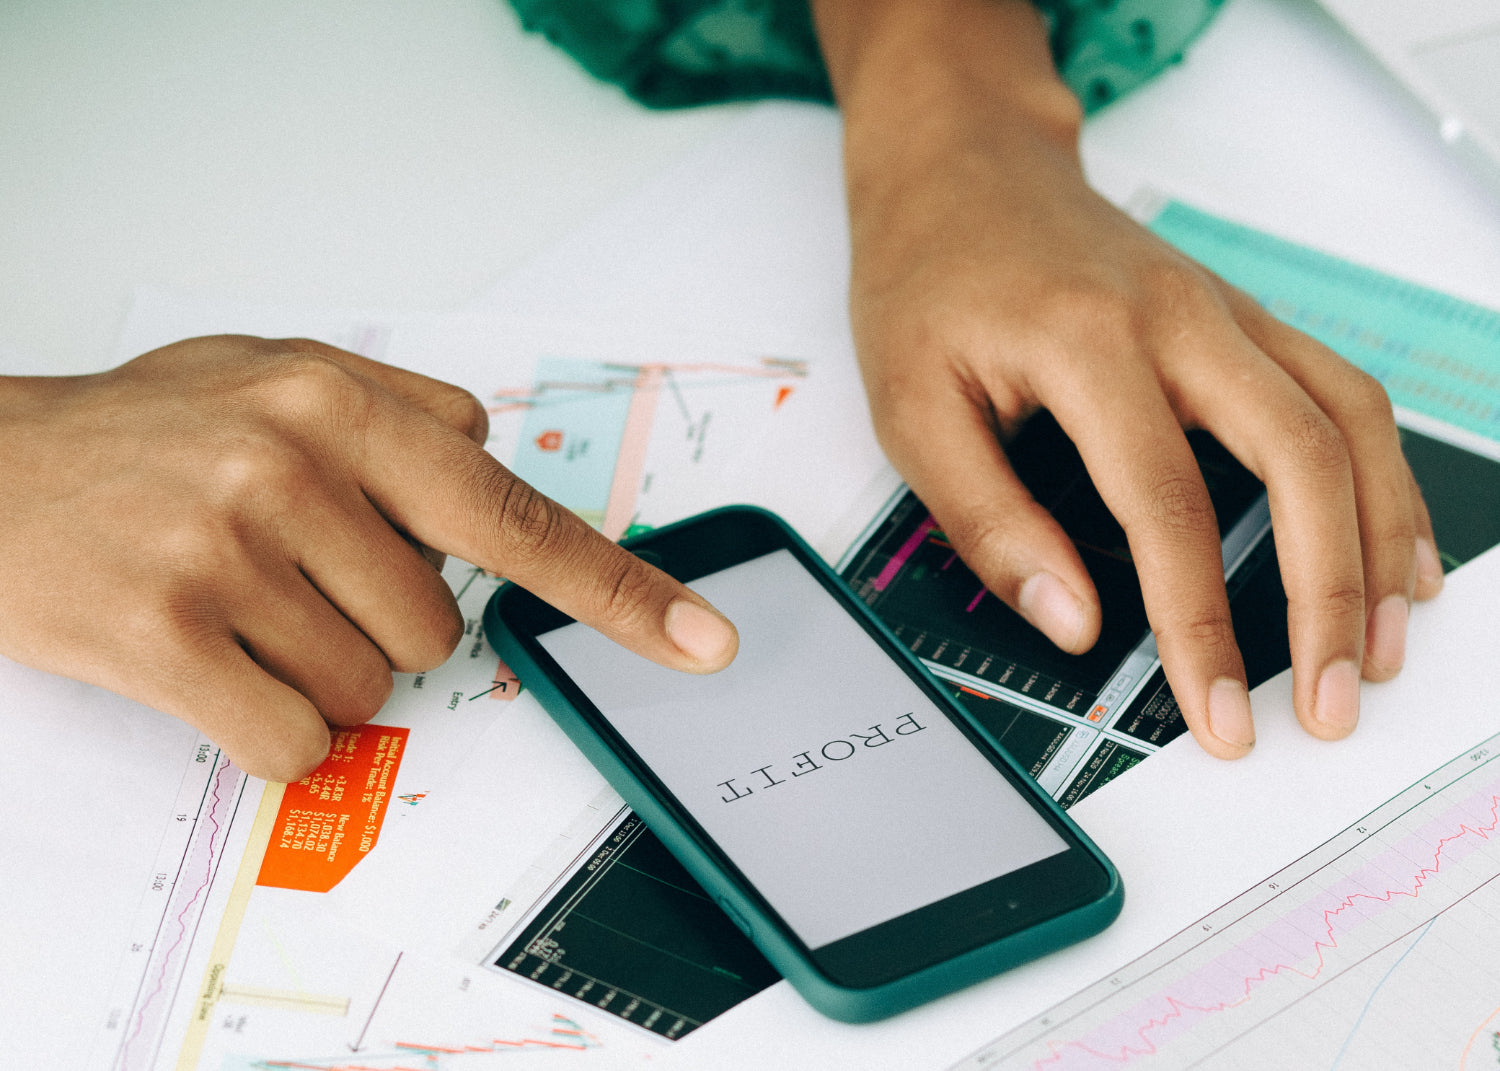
(1381,948)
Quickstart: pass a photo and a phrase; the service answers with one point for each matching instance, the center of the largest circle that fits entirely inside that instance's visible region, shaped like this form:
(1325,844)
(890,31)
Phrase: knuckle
(1338,602)
(461,410)
(1210,633)
(629,590)
(1343,601)
(533,525)
(1096,310)
(896,372)
(1316,442)
(899,436)
(1368,398)
(300,385)
(1177,285)
(257,465)
(1178,504)
(294,757)
(351,688)
(1389,533)
(990,544)
(187,551)
(432,644)
(363,693)
(1395,547)
(447,631)
(168,629)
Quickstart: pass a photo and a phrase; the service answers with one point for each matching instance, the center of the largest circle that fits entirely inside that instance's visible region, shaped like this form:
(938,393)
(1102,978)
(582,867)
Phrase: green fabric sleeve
(676,53)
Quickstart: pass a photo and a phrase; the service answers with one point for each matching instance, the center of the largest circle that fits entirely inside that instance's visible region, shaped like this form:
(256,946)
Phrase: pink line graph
(567,1035)
(181,918)
(1230,980)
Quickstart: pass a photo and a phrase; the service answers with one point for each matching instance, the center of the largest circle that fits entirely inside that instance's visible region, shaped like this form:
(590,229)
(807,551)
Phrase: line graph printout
(633,934)
(231,960)
(1077,721)
(603,437)
(633,426)
(561,1035)
(1380,948)
(188,862)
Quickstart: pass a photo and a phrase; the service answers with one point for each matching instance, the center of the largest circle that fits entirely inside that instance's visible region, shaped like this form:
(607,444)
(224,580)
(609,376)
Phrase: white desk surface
(402,156)
(385,154)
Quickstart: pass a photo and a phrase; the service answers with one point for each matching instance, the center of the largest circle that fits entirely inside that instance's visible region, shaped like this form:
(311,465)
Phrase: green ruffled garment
(676,53)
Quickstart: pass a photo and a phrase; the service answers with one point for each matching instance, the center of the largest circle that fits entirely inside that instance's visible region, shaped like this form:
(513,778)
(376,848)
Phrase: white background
(385,153)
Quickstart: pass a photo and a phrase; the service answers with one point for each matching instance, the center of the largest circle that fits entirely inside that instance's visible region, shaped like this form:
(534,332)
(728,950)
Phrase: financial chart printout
(1077,721)
(616,442)
(632,934)
(1378,949)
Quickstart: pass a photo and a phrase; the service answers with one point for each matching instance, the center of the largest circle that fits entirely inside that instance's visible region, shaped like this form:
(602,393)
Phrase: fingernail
(1048,604)
(1337,702)
(1429,565)
(1385,646)
(700,633)
(1229,713)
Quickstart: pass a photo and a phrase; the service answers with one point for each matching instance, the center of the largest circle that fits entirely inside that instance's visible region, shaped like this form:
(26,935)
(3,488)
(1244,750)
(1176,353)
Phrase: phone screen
(837,787)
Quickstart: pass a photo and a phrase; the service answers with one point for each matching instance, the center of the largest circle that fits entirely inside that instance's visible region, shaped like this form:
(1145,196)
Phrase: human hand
(235,531)
(989,281)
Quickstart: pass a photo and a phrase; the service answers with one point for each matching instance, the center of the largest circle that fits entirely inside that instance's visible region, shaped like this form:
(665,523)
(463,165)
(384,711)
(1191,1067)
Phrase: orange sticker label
(331,819)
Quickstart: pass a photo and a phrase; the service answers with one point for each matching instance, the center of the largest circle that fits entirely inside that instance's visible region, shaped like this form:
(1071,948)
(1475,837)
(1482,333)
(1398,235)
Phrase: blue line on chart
(1376,992)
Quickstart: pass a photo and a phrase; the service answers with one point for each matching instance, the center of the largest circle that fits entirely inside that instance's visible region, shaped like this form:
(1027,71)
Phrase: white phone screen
(827,776)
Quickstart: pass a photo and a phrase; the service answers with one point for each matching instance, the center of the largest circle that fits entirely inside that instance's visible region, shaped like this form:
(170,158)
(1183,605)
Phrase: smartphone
(840,807)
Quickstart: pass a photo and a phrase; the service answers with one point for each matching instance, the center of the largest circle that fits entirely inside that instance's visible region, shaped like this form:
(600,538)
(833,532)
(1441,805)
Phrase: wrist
(943,73)
(31,403)
(21,392)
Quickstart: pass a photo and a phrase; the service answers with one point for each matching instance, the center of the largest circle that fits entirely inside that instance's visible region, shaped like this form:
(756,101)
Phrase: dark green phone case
(770,934)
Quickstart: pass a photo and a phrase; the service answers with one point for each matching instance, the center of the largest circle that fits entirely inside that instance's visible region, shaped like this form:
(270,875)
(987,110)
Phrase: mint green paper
(1433,353)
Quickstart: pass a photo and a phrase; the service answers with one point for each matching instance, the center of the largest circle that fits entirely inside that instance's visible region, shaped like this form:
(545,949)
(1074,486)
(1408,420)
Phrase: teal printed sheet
(1434,353)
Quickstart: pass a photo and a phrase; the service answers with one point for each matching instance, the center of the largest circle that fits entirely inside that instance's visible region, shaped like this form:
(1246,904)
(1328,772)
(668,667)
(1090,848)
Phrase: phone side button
(734,916)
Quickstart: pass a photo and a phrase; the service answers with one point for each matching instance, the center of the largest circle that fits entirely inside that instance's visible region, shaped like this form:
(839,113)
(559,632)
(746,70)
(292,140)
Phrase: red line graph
(510,398)
(411,1056)
(1148,1037)
(185,905)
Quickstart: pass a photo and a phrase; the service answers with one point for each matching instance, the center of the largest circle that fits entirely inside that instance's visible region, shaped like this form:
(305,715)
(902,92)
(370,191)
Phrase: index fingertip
(1229,718)
(703,634)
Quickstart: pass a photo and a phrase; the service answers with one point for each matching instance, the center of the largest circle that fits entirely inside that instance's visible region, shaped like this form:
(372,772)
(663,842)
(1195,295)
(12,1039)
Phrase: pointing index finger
(447,492)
